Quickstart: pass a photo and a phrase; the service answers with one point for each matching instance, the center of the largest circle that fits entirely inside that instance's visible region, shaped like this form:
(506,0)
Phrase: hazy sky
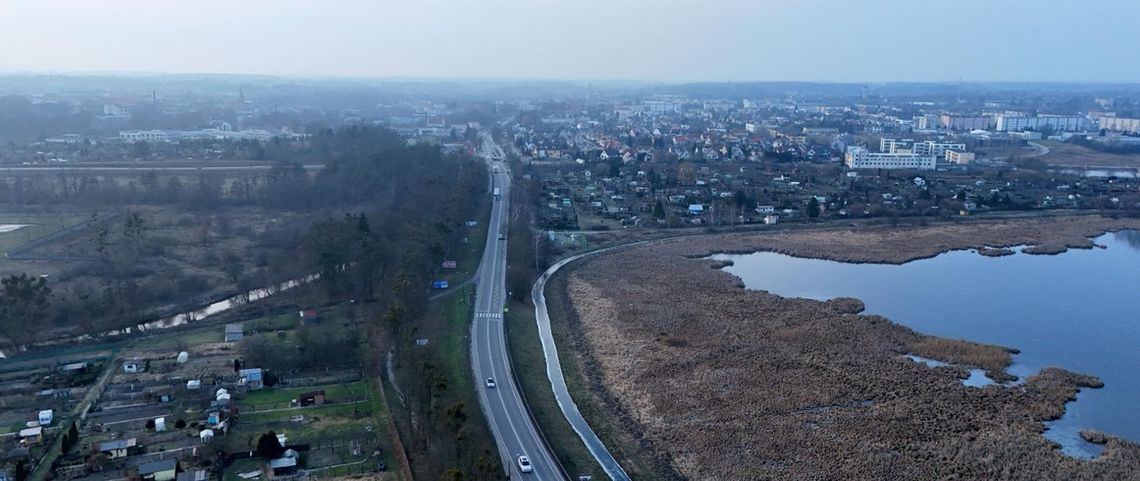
(664,40)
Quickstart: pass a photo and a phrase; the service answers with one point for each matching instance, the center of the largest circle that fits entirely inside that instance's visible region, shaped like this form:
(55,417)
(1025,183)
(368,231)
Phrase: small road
(558,382)
(1038,149)
(509,419)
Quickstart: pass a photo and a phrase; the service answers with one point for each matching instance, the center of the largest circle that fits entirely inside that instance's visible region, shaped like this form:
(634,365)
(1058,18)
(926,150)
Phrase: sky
(661,40)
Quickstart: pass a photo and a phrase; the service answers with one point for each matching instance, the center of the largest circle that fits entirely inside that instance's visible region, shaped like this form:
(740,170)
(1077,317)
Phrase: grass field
(1072,155)
(35,226)
(530,367)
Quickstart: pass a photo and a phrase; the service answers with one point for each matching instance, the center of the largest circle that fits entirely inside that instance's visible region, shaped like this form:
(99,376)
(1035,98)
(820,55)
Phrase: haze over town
(667,40)
(544,240)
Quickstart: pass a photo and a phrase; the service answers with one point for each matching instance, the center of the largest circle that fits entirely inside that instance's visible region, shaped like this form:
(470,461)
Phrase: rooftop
(158,466)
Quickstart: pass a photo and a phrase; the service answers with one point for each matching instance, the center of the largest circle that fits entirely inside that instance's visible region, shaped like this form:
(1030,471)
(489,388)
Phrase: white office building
(861,158)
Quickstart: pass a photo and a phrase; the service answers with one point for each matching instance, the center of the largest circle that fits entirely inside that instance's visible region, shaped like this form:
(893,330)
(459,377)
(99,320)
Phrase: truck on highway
(498,193)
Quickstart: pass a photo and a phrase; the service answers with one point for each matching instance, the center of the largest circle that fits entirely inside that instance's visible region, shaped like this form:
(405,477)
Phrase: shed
(134,366)
(46,417)
(696,209)
(159,425)
(165,470)
(119,448)
(195,475)
(206,435)
(283,466)
(310,316)
(32,436)
(194,384)
(252,378)
(312,398)
(234,332)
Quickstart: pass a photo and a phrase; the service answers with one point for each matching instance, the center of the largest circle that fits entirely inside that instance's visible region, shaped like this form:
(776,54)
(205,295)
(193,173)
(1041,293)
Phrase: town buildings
(1120,124)
(1060,123)
(861,158)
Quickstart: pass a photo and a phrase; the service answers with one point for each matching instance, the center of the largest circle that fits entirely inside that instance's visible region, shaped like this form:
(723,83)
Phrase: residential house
(165,470)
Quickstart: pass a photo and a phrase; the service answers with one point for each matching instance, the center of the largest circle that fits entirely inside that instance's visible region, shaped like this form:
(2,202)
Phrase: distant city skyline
(660,41)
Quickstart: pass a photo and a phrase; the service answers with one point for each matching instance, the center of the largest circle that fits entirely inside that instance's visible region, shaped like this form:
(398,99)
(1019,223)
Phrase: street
(515,434)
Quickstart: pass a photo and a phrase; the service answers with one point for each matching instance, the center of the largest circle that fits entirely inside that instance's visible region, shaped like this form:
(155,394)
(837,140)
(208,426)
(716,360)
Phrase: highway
(514,431)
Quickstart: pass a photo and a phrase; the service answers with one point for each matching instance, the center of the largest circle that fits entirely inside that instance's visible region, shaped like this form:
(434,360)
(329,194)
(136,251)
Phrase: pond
(1076,310)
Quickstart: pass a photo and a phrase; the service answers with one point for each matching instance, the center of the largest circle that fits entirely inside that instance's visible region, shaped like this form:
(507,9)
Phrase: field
(1072,155)
(733,384)
(35,226)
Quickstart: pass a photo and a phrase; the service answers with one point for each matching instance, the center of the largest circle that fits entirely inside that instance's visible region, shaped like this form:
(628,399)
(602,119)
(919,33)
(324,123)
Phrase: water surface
(1077,310)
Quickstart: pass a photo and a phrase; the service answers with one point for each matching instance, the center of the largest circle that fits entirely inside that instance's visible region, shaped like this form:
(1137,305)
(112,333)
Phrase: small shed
(165,470)
(194,384)
(119,448)
(132,366)
(234,332)
(32,436)
(253,379)
(310,316)
(159,425)
(46,417)
(206,436)
(283,466)
(195,475)
(312,398)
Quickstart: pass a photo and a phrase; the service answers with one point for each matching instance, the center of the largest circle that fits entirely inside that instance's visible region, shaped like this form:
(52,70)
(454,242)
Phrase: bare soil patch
(736,384)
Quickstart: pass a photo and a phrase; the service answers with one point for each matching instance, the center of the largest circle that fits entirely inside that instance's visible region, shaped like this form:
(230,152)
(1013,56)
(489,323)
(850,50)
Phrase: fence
(254,408)
(316,378)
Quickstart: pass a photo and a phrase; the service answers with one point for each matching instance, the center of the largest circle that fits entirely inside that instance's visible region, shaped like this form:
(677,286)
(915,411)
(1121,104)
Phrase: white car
(524,464)
(490,383)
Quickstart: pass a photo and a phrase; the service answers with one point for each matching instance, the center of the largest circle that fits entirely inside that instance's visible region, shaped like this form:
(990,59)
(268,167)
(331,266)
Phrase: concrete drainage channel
(554,370)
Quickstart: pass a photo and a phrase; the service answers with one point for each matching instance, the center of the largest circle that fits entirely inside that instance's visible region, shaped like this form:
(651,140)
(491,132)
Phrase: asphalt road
(515,433)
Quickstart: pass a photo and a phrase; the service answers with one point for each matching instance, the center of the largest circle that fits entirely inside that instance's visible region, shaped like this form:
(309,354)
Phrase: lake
(1077,310)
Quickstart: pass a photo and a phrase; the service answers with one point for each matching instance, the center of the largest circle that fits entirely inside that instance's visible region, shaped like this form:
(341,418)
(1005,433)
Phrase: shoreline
(647,331)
